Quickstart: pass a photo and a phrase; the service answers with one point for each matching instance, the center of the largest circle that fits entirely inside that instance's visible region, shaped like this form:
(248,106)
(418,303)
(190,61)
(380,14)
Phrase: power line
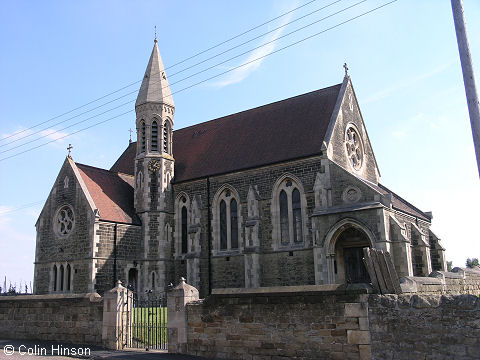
(187,77)
(212,77)
(172,75)
(21,207)
(178,63)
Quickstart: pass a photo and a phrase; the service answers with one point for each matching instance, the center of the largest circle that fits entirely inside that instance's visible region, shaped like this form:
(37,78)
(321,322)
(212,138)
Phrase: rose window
(64,220)
(354,148)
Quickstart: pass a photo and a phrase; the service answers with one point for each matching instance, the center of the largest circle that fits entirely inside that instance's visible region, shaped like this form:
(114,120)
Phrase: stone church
(284,194)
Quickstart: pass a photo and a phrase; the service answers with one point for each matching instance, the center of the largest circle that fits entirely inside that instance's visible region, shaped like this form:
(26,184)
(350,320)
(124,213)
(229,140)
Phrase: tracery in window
(288,212)
(226,222)
(354,147)
(154,142)
(64,220)
(182,222)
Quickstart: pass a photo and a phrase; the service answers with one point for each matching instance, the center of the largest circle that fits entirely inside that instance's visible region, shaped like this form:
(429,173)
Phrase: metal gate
(147,324)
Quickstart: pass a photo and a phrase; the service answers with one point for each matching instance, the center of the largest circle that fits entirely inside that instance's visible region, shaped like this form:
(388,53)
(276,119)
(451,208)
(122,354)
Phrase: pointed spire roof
(155,87)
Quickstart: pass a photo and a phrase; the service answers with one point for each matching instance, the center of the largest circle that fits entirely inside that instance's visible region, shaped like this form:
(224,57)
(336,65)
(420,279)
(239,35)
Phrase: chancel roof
(112,193)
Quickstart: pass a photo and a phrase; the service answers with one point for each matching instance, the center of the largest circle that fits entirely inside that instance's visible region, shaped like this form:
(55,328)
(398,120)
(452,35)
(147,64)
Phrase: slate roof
(125,164)
(401,204)
(112,193)
(264,135)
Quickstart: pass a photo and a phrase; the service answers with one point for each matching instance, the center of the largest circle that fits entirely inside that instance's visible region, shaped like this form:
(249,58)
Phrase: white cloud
(24,137)
(243,72)
(407,83)
(52,134)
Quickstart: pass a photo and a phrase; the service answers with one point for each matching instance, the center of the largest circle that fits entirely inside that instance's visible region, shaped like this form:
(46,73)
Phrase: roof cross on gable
(346,69)
(69,148)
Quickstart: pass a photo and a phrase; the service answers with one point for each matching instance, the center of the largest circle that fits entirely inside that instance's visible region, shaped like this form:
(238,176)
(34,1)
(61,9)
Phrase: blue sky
(403,60)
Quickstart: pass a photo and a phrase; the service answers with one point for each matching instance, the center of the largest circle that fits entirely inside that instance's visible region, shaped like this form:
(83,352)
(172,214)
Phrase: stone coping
(295,290)
(93,297)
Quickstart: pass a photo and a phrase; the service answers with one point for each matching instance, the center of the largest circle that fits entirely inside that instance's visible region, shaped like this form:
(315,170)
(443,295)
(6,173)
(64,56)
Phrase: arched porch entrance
(344,249)
(349,256)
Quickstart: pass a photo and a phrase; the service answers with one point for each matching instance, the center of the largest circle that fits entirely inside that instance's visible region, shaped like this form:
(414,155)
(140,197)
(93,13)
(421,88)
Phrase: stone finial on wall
(177,299)
(117,303)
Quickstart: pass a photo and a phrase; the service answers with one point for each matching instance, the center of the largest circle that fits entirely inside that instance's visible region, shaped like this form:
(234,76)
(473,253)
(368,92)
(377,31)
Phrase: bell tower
(154,169)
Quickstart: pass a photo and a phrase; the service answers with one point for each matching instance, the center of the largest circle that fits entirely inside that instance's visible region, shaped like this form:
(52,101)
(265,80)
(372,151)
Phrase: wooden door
(355,271)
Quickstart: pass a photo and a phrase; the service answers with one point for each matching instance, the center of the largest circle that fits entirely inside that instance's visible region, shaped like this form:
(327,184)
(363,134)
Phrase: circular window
(64,220)
(354,147)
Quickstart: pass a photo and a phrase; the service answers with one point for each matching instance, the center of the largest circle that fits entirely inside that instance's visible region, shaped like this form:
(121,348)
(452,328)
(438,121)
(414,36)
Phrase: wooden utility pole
(468,75)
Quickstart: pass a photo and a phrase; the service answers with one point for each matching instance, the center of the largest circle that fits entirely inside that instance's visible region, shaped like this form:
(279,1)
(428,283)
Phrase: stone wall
(458,281)
(328,322)
(305,322)
(424,326)
(66,318)
(86,319)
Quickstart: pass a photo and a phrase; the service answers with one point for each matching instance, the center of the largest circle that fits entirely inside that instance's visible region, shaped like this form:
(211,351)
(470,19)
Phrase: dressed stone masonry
(286,194)
(330,321)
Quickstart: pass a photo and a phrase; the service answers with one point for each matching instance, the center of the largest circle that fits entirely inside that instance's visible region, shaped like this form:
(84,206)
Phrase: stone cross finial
(130,131)
(346,69)
(69,148)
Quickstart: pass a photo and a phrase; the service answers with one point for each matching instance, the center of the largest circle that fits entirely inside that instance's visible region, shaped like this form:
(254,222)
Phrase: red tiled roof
(255,137)
(112,193)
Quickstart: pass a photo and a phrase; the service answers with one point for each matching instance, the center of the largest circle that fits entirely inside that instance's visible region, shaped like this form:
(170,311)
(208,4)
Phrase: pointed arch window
(284,224)
(288,213)
(69,275)
(233,224)
(142,136)
(184,230)
(227,223)
(62,273)
(223,225)
(297,216)
(166,137)
(55,276)
(153,280)
(154,142)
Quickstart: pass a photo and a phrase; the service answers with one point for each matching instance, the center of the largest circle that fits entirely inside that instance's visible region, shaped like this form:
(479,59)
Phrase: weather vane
(346,69)
(155,33)
(69,148)
(130,131)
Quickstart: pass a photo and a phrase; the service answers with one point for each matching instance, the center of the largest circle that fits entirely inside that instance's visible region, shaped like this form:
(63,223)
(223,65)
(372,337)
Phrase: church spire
(155,87)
